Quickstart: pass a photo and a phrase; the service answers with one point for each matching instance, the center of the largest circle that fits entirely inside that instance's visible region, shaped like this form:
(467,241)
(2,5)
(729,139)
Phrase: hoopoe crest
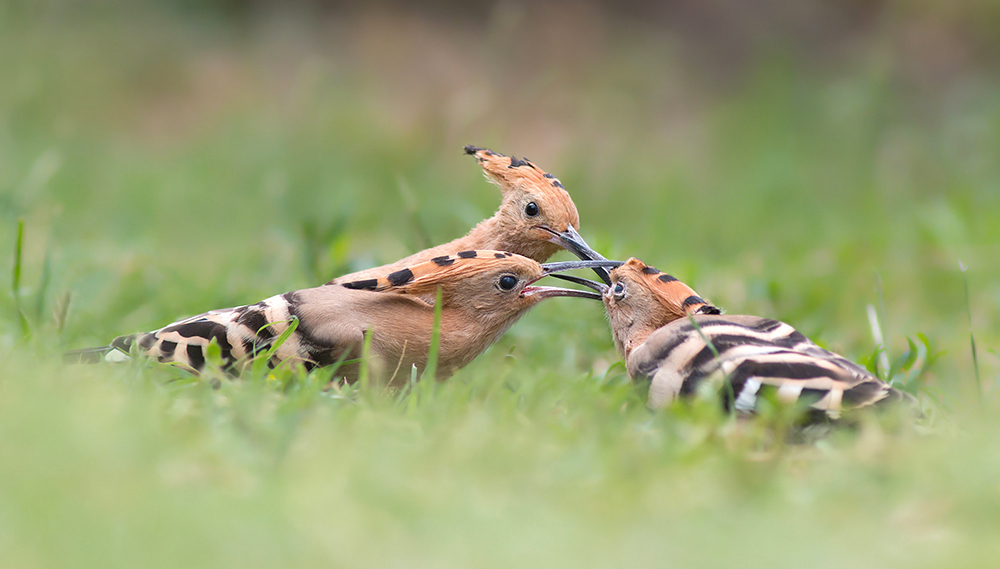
(535,219)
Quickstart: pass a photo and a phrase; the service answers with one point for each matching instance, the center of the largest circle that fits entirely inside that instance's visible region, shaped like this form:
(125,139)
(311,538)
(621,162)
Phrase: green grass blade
(341,361)
(15,283)
(292,325)
(430,370)
(260,362)
(364,371)
(883,323)
(213,354)
(902,363)
(43,285)
(16,272)
(880,361)
(972,335)
(61,311)
(727,385)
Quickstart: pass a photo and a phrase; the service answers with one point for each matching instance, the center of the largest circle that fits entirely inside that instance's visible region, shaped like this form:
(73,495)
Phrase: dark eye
(508,282)
(618,290)
(531,210)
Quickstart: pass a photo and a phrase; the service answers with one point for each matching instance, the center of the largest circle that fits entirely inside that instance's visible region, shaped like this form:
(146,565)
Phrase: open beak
(550,269)
(574,243)
(599,287)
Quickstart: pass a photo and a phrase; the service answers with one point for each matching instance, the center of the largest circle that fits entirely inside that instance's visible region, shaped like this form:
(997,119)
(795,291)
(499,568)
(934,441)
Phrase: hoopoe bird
(678,341)
(483,293)
(536,218)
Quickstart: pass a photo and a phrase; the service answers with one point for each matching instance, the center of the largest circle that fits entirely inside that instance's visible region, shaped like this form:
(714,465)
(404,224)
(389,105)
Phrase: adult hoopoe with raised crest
(536,218)
(483,293)
(651,316)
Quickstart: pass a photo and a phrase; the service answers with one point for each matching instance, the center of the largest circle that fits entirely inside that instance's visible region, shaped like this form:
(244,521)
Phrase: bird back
(749,358)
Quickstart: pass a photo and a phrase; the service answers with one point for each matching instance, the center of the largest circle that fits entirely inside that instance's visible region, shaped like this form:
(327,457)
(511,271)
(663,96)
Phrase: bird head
(488,284)
(537,216)
(640,299)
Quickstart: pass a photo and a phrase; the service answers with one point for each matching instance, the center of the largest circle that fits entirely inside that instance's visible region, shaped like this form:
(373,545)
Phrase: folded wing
(756,356)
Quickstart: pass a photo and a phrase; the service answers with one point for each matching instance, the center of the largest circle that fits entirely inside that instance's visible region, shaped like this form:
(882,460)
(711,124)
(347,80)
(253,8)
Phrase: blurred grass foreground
(796,160)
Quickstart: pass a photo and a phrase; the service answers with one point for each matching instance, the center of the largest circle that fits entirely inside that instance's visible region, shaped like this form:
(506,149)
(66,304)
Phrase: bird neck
(632,338)
(500,234)
(484,236)
(469,333)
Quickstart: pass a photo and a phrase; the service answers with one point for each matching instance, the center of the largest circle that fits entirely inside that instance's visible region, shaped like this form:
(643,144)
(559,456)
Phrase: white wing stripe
(747,399)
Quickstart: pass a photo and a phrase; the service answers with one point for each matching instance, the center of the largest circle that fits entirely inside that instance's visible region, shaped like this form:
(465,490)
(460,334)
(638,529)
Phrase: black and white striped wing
(756,355)
(242,333)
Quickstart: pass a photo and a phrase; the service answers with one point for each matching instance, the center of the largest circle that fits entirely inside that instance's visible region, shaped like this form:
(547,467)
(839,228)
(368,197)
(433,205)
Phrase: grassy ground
(165,162)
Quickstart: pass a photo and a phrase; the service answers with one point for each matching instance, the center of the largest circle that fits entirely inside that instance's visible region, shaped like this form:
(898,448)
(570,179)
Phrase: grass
(165,162)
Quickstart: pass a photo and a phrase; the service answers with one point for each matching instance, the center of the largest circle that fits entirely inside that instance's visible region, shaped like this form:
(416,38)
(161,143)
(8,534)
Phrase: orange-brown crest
(427,276)
(512,174)
(535,203)
(641,299)
(678,298)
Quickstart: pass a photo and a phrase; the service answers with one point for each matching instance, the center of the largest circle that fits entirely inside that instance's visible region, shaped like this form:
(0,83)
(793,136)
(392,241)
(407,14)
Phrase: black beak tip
(575,244)
(603,274)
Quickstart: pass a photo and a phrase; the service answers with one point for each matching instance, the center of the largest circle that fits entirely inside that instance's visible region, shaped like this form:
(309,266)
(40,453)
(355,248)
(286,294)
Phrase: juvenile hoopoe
(482,294)
(651,315)
(536,218)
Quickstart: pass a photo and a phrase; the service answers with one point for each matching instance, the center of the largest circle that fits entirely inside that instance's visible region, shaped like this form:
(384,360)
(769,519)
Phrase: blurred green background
(795,160)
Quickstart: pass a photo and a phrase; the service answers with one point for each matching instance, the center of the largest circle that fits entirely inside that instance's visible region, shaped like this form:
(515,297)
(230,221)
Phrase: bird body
(535,219)
(483,293)
(679,342)
(755,355)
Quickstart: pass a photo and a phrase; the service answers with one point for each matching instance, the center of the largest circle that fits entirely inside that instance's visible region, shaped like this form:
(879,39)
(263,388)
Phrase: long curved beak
(574,243)
(541,292)
(601,263)
(551,269)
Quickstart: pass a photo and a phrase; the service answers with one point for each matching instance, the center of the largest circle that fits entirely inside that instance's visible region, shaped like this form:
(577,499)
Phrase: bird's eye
(531,210)
(507,282)
(618,290)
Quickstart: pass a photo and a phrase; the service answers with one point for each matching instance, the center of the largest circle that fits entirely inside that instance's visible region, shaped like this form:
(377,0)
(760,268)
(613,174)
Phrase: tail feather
(123,343)
(116,351)
(88,355)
